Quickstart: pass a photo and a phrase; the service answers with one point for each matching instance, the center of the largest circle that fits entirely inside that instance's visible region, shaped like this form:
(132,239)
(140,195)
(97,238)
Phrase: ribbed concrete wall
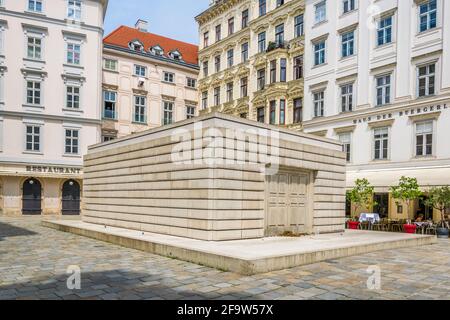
(135,183)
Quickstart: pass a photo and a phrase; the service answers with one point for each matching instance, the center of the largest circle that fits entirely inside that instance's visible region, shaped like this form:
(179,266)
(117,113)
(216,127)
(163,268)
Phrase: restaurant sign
(56,170)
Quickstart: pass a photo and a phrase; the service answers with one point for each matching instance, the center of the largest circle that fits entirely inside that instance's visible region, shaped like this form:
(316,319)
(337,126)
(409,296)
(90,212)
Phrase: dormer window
(136,45)
(176,55)
(157,51)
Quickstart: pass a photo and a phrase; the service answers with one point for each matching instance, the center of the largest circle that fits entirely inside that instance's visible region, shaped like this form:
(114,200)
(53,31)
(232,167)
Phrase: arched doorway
(71,198)
(31,197)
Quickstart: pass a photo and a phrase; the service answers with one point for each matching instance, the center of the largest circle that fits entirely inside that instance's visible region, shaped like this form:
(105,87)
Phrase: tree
(407,191)
(439,199)
(361,196)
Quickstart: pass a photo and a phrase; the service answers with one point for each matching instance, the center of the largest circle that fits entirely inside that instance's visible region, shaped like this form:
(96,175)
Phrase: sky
(169,18)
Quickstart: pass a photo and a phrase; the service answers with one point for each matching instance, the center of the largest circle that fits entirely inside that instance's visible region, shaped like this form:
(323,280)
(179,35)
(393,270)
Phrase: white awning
(383,179)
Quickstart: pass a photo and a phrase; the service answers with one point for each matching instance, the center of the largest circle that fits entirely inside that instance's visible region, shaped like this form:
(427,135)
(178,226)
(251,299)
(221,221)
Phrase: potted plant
(439,199)
(407,191)
(353,223)
(360,197)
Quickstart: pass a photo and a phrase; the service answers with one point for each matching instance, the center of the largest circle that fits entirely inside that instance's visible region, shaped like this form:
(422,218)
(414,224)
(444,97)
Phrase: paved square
(34,261)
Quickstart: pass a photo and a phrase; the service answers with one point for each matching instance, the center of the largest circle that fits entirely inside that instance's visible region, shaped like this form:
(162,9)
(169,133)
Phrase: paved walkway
(34,261)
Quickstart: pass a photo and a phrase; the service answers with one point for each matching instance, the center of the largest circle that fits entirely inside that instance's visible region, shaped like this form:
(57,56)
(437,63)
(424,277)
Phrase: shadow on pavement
(8,230)
(109,285)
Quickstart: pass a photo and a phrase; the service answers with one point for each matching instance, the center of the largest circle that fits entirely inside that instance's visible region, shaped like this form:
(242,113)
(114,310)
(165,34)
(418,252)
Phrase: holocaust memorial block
(217,177)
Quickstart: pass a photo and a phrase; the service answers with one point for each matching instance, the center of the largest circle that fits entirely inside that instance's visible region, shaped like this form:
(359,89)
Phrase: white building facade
(377,78)
(50,97)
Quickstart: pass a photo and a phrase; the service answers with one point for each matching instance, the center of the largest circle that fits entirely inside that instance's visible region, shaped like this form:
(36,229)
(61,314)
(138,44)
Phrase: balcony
(277,45)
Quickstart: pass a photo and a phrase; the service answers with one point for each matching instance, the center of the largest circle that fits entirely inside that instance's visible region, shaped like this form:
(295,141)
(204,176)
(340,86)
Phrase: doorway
(32,197)
(71,198)
(381,204)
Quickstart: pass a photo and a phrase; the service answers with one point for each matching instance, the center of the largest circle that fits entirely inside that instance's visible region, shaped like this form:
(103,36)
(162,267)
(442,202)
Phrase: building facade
(251,60)
(148,81)
(50,97)
(376,77)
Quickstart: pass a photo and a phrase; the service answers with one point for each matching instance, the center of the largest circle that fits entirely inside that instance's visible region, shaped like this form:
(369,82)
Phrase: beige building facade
(50,76)
(148,81)
(251,60)
(217,177)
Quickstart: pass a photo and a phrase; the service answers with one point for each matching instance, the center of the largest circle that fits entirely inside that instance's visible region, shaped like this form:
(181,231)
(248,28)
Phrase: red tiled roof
(123,35)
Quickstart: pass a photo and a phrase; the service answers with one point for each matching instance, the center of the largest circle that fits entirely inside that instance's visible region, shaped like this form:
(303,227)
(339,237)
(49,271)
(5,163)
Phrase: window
(298,26)
(140,71)
(319,104)
(262,7)
(230,58)
(260,114)
(426,80)
(428,15)
(206,39)
(381,143)
(190,112)
(283,62)
(205,68)
(109,105)
(347,97)
(136,46)
(261,79)
(298,67)
(106,138)
(298,110)
(34,48)
(34,92)
(244,51)
(218,33)
(346,140)
(140,107)
(191,83)
(262,42)
(279,35)
(383,89)
(217,63)
(33,138)
(167,112)
(273,71)
(321,11)
(424,139)
(319,53)
(35,5)
(73,53)
(72,97)
(230,26)
(157,50)
(348,44)
(282,120)
(273,112)
(245,18)
(72,141)
(216,96)
(244,87)
(169,77)
(110,64)
(74,9)
(230,92)
(204,100)
(384,32)
(280,3)
(349,5)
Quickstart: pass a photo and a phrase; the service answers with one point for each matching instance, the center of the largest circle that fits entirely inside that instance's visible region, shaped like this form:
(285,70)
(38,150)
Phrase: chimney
(141,25)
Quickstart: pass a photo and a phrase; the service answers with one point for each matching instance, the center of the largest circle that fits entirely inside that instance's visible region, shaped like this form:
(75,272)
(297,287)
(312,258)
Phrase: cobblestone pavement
(34,261)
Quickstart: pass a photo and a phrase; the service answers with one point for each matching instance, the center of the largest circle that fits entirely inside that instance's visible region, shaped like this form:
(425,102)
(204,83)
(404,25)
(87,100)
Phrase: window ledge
(69,155)
(424,158)
(72,65)
(190,88)
(384,45)
(348,13)
(73,110)
(422,34)
(34,60)
(34,106)
(343,59)
(109,119)
(36,153)
(37,13)
(140,123)
(317,24)
(319,65)
(170,83)
(109,70)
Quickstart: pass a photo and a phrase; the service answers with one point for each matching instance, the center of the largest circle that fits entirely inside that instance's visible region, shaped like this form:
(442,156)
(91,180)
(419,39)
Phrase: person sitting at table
(420,218)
